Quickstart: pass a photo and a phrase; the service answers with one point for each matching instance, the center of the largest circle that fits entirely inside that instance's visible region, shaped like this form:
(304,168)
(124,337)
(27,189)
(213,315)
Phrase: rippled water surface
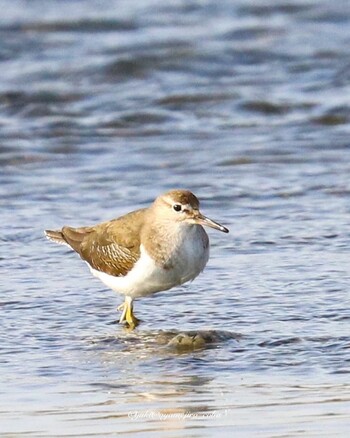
(106,104)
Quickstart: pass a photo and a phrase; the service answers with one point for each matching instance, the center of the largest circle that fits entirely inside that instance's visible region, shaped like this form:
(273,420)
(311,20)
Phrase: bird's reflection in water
(163,375)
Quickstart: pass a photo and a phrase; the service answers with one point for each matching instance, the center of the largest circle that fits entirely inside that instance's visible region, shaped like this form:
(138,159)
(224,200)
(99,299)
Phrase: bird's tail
(56,236)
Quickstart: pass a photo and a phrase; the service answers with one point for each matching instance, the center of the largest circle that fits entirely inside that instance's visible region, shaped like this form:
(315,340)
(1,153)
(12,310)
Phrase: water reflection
(143,389)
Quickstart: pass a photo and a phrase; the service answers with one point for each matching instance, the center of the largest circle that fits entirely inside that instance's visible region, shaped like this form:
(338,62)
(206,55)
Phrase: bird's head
(182,206)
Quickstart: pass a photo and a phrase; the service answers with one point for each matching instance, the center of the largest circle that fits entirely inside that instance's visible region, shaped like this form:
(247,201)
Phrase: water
(104,105)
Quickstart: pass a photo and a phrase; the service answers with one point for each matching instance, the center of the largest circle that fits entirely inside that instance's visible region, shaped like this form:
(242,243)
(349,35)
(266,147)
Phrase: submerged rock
(200,339)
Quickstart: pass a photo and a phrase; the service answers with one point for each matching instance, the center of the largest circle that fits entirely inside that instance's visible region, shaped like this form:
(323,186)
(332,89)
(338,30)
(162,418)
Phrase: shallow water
(104,105)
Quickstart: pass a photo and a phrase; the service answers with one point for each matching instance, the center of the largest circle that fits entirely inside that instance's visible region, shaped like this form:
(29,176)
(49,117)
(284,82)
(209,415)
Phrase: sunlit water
(104,105)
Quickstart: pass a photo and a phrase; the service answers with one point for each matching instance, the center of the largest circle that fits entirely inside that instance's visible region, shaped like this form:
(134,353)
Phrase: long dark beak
(205,221)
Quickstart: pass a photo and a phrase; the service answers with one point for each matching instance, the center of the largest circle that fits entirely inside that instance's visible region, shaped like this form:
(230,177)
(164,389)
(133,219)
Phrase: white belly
(147,278)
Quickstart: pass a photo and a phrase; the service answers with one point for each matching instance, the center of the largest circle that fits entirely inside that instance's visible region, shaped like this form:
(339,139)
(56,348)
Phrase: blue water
(103,106)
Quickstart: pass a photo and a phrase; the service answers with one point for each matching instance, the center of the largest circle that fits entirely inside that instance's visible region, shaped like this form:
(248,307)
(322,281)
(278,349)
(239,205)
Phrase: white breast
(146,277)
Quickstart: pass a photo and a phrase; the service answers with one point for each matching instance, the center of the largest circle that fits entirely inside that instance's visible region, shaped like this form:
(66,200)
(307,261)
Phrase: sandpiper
(146,251)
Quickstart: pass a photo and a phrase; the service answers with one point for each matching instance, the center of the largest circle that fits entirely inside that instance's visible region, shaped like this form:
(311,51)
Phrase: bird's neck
(161,238)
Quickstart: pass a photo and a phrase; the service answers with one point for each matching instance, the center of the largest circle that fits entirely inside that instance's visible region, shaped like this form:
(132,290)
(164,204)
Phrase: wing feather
(112,247)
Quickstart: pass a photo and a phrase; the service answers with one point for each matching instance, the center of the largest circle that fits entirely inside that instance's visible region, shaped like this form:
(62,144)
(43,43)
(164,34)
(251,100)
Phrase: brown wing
(111,247)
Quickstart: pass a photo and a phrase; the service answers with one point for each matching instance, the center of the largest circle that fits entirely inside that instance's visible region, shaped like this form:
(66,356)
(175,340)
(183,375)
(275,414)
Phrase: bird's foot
(121,307)
(128,314)
(132,322)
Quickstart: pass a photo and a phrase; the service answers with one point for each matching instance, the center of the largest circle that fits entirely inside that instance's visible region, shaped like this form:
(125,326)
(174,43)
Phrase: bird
(145,251)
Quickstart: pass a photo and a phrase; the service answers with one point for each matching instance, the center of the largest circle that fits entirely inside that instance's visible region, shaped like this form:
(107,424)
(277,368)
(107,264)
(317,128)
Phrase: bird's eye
(177,207)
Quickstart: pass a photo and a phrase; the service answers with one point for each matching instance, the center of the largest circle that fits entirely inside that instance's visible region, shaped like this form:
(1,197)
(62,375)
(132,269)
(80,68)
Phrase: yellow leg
(128,314)
(130,317)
